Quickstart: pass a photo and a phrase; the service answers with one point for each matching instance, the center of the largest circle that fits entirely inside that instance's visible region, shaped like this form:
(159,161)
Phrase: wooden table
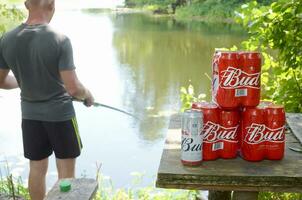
(233,174)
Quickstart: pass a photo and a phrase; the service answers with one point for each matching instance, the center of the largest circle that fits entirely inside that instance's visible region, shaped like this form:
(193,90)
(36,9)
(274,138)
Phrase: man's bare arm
(75,88)
(7,81)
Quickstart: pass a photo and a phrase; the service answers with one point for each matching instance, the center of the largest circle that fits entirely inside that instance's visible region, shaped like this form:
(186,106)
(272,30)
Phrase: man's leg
(67,145)
(36,180)
(37,149)
(66,168)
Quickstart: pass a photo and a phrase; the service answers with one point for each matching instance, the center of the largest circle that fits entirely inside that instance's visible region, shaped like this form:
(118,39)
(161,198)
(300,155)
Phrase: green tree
(149,2)
(9,17)
(276,30)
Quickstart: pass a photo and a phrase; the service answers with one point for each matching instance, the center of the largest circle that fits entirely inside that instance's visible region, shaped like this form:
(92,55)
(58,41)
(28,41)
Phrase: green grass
(14,187)
(10,186)
(108,192)
(210,10)
(279,196)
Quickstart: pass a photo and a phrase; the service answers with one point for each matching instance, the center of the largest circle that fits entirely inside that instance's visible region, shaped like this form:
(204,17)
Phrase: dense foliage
(207,9)
(276,30)
(219,10)
(279,196)
(9,17)
(108,192)
(12,187)
(191,2)
(148,2)
(210,9)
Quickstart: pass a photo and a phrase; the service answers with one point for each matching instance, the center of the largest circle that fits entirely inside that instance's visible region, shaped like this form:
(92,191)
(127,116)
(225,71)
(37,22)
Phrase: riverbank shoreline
(154,13)
(127,10)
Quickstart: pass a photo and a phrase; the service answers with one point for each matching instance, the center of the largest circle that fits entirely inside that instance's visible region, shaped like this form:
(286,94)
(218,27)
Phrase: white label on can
(241,92)
(217,146)
(191,147)
(191,137)
(233,78)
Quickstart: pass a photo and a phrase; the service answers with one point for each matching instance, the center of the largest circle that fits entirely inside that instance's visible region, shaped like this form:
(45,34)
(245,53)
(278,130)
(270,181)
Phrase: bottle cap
(65,186)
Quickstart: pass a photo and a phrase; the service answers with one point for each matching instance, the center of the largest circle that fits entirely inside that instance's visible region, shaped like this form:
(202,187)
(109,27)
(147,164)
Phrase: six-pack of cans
(263,132)
(236,79)
(220,131)
(236,122)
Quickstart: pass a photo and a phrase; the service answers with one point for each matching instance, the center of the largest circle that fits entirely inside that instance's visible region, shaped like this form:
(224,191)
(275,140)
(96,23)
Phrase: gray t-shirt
(36,54)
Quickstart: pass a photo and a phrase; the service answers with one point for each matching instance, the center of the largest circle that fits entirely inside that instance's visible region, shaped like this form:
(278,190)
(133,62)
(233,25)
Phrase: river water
(132,61)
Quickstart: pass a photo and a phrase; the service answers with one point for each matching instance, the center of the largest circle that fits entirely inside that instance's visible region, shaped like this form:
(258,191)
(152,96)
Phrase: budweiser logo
(214,132)
(257,133)
(188,144)
(236,78)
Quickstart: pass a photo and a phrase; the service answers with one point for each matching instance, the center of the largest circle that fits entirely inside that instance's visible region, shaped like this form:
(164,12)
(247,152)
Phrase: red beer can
(220,131)
(211,120)
(250,64)
(226,74)
(263,132)
(229,122)
(275,132)
(253,122)
(236,79)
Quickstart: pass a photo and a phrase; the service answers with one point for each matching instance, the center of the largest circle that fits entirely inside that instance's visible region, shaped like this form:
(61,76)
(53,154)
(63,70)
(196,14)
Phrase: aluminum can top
(264,104)
(224,51)
(255,111)
(204,105)
(276,109)
(276,113)
(192,113)
(250,54)
(228,55)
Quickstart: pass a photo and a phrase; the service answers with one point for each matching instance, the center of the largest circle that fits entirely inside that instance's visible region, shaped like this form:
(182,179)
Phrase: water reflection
(134,62)
(158,55)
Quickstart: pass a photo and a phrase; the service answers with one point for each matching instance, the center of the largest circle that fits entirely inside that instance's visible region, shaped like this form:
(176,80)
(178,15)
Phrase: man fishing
(41,60)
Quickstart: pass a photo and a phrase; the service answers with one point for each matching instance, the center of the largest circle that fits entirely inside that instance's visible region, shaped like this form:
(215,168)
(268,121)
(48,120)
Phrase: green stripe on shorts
(75,126)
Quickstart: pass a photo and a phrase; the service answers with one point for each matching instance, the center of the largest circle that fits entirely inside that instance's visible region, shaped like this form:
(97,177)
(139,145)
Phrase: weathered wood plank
(234,174)
(83,189)
(261,176)
(294,121)
(226,188)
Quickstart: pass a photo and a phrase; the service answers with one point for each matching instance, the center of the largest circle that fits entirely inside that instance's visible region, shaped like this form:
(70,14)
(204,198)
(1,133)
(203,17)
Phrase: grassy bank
(210,10)
(10,187)
(205,10)
(14,188)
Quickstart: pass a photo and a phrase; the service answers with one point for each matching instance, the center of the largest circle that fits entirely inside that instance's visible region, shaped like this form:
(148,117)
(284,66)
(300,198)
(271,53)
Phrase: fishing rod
(96,104)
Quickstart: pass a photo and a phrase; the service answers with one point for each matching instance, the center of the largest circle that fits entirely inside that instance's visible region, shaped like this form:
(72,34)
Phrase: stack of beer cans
(236,122)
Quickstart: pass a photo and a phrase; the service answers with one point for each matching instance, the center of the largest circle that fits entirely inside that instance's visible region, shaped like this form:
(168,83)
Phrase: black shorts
(41,138)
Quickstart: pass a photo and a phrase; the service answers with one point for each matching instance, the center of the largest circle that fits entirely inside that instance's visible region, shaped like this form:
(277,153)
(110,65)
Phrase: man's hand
(75,88)
(89,100)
